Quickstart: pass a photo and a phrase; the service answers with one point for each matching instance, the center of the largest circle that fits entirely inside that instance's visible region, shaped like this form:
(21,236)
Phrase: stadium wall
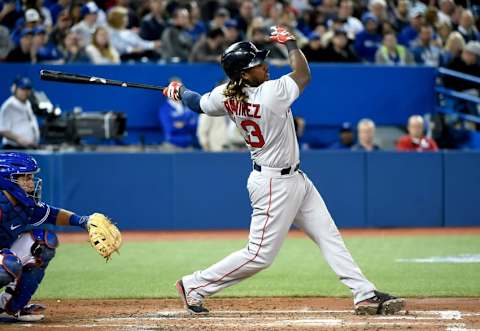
(337,93)
(186,191)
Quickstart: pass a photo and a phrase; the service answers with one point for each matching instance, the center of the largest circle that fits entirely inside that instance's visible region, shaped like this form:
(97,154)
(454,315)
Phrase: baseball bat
(58,76)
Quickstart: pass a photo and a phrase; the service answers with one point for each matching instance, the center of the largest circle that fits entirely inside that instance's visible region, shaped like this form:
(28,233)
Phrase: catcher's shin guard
(10,267)
(16,297)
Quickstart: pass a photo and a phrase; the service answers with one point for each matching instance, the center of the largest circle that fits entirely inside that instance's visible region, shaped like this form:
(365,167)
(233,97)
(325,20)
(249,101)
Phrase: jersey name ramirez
(242,109)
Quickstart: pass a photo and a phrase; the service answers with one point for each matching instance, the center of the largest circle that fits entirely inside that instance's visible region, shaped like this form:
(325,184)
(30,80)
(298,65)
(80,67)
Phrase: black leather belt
(284,171)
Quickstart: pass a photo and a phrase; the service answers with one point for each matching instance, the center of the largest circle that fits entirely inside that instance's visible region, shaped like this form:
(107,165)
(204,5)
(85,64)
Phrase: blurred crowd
(393,32)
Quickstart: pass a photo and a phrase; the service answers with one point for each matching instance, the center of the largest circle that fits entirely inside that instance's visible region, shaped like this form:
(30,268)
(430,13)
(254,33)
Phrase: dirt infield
(252,314)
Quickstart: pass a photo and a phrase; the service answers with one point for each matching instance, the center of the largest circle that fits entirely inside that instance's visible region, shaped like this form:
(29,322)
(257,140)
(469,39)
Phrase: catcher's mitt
(104,235)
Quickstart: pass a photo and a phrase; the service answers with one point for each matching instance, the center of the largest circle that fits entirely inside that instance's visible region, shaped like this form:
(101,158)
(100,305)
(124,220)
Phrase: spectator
(443,32)
(415,140)
(346,140)
(378,8)
(61,28)
(57,7)
(447,8)
(468,63)
(338,50)
(176,41)
(221,16)
(212,132)
(24,51)
(75,10)
(47,21)
(352,25)
(72,51)
(366,136)
(9,14)
(31,21)
(431,16)
(232,33)
(328,9)
(18,124)
(313,50)
(453,48)
(391,53)
(86,27)
(179,124)
(410,33)
(127,43)
(45,52)
(5,43)
(197,27)
(132,17)
(210,48)
(153,23)
(274,13)
(100,51)
(467,27)
(245,15)
(424,50)
(388,27)
(400,15)
(418,5)
(369,40)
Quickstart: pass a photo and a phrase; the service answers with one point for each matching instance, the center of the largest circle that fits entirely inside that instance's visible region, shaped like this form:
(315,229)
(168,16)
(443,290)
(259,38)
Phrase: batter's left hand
(173,91)
(280,35)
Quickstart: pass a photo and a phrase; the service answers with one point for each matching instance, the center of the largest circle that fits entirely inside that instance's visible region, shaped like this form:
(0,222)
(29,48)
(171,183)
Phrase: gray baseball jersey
(265,120)
(279,194)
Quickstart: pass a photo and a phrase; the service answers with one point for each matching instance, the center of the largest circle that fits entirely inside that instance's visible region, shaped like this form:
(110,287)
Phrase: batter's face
(26,182)
(256,75)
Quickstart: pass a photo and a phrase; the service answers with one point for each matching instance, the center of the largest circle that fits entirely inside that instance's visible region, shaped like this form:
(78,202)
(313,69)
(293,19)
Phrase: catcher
(27,237)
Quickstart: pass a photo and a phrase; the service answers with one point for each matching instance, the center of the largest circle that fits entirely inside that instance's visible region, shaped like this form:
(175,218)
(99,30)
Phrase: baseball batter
(27,240)
(280,193)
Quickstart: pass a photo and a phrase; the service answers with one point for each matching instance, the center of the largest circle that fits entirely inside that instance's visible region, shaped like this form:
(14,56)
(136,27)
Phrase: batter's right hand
(280,35)
(172,91)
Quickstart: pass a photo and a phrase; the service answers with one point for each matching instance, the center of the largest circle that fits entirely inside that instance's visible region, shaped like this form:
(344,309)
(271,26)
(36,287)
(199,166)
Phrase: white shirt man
(18,124)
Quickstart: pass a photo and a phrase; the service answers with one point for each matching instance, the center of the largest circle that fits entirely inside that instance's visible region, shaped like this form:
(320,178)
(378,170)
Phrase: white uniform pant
(277,203)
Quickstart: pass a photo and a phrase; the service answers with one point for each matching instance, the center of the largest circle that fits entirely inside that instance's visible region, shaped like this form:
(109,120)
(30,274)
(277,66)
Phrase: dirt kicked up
(452,314)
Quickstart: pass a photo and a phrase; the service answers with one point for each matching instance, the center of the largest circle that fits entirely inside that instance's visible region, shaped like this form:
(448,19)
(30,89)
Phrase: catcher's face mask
(29,183)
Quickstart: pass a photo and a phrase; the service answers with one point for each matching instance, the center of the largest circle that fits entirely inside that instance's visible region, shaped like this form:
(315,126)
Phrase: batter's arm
(300,69)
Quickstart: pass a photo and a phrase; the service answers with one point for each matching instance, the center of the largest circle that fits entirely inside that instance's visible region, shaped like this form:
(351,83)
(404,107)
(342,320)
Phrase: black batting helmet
(241,56)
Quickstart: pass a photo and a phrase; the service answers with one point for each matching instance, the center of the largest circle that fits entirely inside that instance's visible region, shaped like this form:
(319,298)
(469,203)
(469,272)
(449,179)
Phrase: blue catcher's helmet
(15,164)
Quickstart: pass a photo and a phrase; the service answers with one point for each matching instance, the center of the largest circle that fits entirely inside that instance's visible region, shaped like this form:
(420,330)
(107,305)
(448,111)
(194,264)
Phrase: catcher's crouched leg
(35,249)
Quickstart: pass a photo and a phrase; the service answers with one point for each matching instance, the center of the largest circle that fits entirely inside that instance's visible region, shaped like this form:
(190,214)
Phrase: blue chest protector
(17,219)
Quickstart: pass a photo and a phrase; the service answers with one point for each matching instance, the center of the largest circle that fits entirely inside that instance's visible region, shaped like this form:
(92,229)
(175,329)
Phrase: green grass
(148,270)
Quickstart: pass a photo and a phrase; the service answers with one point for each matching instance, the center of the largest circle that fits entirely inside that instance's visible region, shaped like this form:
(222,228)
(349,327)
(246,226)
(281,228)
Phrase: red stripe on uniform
(258,250)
